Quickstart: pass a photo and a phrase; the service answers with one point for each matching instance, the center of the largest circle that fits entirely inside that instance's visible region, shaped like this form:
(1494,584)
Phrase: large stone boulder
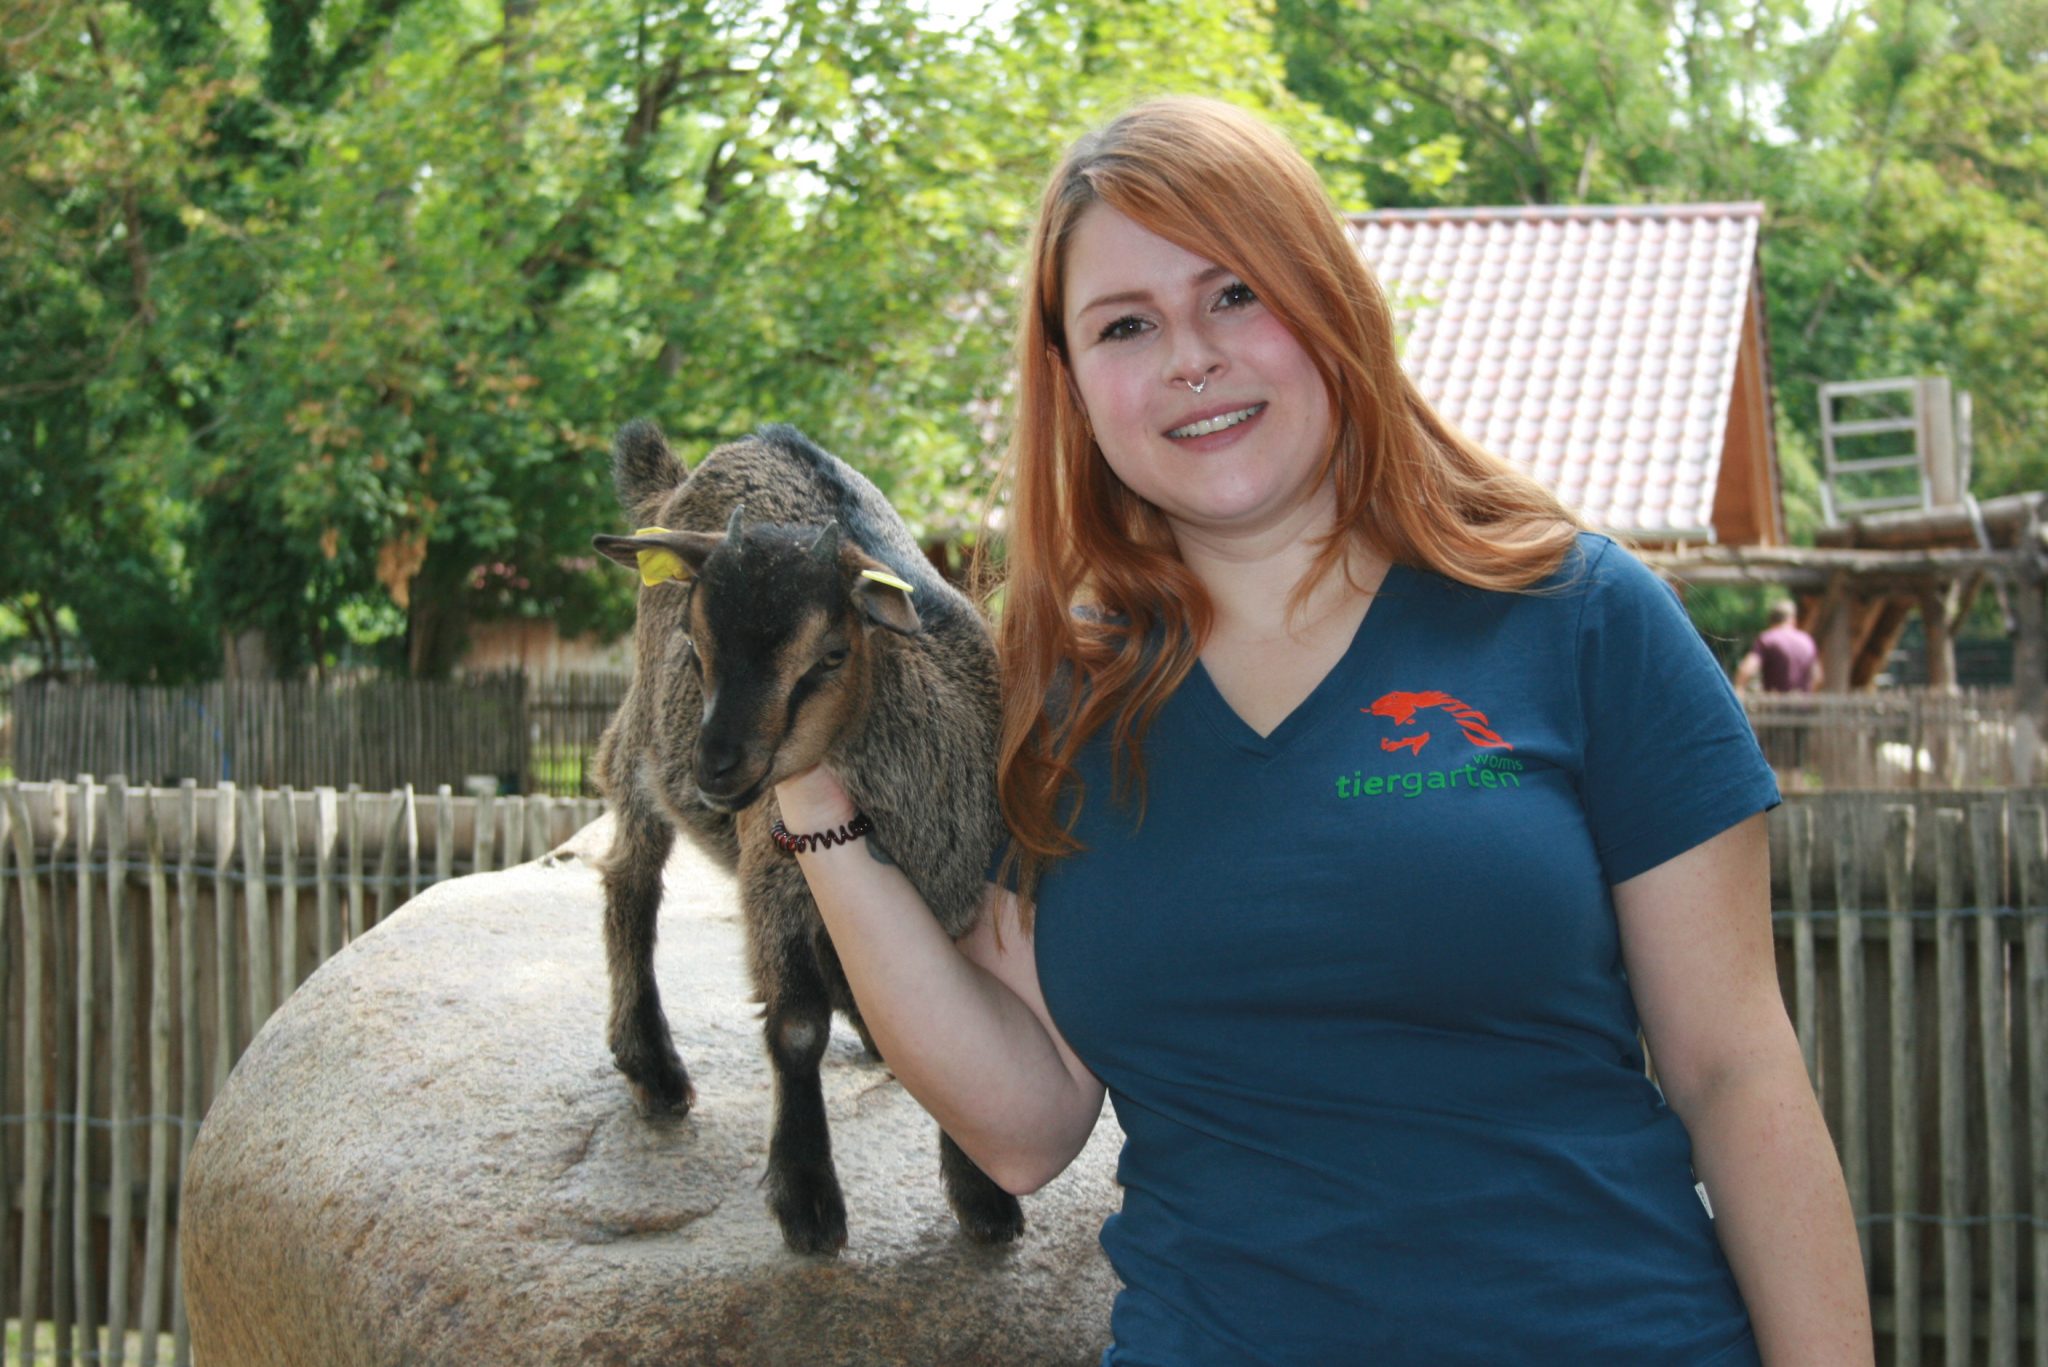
(426,1157)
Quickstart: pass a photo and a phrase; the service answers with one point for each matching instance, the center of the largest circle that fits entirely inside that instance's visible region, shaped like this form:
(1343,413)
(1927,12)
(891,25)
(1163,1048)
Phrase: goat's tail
(643,468)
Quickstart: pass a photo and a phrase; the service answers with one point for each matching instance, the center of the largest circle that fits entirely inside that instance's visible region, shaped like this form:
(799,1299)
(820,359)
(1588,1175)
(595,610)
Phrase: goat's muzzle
(728,776)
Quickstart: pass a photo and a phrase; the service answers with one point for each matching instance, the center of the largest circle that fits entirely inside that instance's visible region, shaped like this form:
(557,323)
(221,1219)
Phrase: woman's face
(1147,323)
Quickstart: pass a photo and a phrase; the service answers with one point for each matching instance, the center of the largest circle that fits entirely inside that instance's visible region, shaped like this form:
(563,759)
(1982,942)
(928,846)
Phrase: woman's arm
(1696,935)
(963,1026)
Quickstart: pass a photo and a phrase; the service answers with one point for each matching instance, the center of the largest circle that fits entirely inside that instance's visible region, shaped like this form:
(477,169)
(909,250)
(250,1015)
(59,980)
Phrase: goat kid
(763,648)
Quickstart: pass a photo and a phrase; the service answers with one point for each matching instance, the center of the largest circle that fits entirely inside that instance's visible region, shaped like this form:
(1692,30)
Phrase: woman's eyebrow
(1140,296)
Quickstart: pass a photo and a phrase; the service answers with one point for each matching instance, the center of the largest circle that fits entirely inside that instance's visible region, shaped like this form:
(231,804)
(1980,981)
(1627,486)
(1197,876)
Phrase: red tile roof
(1593,346)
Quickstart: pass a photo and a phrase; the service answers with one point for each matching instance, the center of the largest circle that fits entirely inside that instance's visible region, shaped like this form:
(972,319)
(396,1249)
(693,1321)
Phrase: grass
(558,769)
(46,1350)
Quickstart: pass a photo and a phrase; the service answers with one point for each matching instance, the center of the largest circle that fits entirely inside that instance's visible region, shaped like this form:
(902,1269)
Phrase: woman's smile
(1221,422)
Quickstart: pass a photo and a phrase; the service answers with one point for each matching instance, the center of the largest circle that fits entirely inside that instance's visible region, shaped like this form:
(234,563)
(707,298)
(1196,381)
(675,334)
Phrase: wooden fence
(538,734)
(1905,738)
(521,734)
(1913,952)
(381,733)
(145,936)
(565,714)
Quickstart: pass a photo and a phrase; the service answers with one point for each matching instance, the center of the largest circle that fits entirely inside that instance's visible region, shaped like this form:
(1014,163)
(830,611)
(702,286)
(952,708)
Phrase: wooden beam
(1884,620)
(1938,626)
(1837,637)
(1804,570)
(2006,520)
(2030,647)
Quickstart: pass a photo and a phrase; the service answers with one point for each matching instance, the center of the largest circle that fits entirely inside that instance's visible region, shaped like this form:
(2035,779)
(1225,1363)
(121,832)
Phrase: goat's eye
(832,659)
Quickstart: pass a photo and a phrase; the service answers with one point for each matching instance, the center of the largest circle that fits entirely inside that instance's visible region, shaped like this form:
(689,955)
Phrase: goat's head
(778,625)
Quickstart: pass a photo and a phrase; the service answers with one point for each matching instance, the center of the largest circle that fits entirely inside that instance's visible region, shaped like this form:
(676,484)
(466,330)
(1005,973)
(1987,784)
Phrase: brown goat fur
(806,660)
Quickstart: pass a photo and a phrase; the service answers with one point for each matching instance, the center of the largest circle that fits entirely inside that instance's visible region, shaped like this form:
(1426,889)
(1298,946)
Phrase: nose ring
(1193,387)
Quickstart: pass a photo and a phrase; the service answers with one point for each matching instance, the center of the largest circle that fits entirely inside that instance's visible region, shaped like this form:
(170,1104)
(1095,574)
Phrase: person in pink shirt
(1784,658)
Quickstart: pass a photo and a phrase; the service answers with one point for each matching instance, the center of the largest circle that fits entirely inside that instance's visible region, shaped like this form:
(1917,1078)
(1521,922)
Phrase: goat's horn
(732,524)
(825,550)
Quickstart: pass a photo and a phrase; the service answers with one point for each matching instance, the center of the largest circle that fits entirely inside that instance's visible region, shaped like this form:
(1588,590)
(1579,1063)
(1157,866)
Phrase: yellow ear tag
(659,566)
(881,577)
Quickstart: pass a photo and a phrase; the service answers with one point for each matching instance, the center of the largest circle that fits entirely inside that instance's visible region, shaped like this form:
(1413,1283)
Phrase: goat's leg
(641,1046)
(987,1214)
(839,991)
(803,1190)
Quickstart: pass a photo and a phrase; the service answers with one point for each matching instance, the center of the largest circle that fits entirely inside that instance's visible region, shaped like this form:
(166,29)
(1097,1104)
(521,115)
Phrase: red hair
(1218,182)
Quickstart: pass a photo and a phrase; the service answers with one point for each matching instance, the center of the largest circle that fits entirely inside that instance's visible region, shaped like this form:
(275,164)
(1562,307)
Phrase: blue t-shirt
(1356,990)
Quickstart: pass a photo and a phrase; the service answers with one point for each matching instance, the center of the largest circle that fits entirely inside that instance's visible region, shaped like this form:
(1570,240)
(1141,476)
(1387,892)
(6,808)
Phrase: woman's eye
(1236,295)
(1123,327)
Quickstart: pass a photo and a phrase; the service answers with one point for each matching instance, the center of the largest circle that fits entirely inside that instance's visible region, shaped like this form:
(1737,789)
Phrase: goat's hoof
(660,1091)
(810,1210)
(988,1216)
(665,1104)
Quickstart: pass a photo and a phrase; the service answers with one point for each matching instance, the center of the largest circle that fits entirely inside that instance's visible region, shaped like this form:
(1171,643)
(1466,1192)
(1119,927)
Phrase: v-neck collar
(1235,731)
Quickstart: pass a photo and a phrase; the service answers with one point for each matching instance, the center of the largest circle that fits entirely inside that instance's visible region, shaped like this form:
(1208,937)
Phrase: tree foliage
(320,312)
(1897,147)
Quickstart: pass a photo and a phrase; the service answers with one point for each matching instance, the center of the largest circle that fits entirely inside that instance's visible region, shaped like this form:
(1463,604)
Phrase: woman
(1374,809)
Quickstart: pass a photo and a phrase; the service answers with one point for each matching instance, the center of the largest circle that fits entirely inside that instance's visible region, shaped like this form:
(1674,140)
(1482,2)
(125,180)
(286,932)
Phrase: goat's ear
(660,554)
(885,600)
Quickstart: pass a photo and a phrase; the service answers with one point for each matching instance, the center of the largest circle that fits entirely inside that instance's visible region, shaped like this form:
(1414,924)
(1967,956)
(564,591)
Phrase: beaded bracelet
(820,840)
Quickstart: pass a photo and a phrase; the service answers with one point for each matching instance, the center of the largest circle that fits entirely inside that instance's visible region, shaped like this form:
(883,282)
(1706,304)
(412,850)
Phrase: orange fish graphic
(1402,707)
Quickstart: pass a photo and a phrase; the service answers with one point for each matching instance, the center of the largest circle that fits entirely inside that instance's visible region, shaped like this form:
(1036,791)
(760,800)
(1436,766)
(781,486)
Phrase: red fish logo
(1401,708)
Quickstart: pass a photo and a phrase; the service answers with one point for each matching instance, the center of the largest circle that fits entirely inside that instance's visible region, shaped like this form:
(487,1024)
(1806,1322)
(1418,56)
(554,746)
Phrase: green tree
(1897,149)
(1915,240)
(369,283)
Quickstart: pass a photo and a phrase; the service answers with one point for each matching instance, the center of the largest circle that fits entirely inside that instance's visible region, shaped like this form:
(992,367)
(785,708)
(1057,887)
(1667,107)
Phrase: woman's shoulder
(1600,573)
(1615,576)
(1595,561)
(1594,564)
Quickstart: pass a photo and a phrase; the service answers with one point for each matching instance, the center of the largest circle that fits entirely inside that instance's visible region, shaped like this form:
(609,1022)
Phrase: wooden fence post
(387,860)
(1951,970)
(120,1072)
(412,849)
(191,1063)
(540,811)
(156,1215)
(8,879)
(2030,843)
(325,908)
(261,972)
(225,971)
(35,1104)
(1987,823)
(288,895)
(444,833)
(1855,1144)
(1805,978)
(1905,1052)
(78,1195)
(485,831)
(356,924)
(23,843)
(515,831)
(191,1056)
